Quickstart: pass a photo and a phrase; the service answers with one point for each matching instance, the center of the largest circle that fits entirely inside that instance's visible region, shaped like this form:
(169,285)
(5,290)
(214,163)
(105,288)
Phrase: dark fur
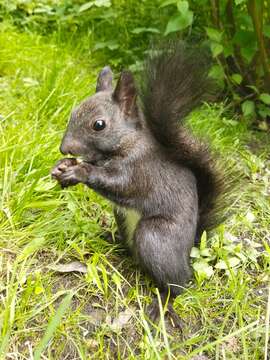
(145,160)
(174,82)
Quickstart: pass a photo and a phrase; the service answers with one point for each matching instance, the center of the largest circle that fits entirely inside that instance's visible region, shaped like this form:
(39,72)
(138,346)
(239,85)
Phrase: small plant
(226,253)
(238,33)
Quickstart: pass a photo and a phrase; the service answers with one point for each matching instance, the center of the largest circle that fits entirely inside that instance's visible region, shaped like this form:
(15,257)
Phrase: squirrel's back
(174,82)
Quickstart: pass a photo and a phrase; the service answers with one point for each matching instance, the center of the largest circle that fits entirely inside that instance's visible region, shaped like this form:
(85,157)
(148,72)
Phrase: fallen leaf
(121,320)
(232,345)
(96,317)
(74,266)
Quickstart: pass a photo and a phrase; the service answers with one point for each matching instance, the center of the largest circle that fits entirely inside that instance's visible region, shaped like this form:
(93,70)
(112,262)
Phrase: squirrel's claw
(69,177)
(61,166)
(153,313)
(69,172)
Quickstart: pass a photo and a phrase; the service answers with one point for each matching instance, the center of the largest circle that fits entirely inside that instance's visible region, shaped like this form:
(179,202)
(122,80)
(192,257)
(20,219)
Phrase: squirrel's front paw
(69,172)
(61,166)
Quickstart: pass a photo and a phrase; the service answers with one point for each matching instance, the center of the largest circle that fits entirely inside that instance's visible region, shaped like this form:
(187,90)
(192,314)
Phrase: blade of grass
(267,320)
(53,324)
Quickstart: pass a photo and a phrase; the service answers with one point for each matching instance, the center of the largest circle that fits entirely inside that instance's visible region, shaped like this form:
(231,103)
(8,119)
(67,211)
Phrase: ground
(99,313)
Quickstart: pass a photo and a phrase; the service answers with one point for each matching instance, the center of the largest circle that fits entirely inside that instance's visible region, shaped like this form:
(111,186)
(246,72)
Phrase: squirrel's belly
(132,217)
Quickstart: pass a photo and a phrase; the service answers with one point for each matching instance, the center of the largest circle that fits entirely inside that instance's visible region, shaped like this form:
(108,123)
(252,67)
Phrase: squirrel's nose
(70,146)
(64,149)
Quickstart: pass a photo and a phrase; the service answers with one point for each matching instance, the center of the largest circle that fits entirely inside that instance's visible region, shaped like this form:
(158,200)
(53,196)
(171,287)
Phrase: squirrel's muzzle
(71,146)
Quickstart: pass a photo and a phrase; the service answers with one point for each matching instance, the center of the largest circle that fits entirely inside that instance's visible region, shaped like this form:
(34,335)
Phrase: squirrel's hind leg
(162,248)
(163,251)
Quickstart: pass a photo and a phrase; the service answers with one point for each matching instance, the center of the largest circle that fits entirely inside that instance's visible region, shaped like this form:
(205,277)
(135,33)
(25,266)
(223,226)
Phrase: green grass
(72,315)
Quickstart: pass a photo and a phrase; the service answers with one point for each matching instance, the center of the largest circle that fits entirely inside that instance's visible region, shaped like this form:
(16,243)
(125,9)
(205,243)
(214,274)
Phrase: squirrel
(136,151)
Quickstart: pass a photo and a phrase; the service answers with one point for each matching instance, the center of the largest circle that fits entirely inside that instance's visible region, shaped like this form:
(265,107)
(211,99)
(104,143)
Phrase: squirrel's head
(107,123)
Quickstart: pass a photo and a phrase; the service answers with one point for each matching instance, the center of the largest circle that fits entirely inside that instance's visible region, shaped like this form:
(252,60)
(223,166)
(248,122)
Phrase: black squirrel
(137,153)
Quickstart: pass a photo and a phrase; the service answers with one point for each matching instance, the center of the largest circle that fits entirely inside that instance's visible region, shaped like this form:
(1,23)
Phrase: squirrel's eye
(99,125)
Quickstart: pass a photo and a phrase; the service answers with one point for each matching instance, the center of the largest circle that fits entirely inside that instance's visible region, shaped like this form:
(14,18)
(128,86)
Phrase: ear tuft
(105,79)
(125,92)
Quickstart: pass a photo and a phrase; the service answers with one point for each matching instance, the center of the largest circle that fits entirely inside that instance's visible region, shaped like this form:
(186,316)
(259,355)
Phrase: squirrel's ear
(105,79)
(125,92)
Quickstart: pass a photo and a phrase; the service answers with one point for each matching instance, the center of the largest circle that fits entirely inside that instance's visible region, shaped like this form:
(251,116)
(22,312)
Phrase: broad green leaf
(230,263)
(237,2)
(195,252)
(253,87)
(179,22)
(248,53)
(264,111)
(217,72)
(244,21)
(52,326)
(111,45)
(248,107)
(263,125)
(214,34)
(98,3)
(216,49)
(11,6)
(265,98)
(266,31)
(245,38)
(206,252)
(183,6)
(237,78)
(169,2)
(231,122)
(145,30)
(203,269)
(234,261)
(86,6)
(247,42)
(221,264)
(228,50)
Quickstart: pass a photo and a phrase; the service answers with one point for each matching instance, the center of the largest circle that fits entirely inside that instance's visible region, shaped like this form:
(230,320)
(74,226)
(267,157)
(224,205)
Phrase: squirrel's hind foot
(153,313)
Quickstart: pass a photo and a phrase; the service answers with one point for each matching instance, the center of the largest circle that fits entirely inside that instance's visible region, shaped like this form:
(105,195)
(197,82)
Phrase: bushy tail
(174,82)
